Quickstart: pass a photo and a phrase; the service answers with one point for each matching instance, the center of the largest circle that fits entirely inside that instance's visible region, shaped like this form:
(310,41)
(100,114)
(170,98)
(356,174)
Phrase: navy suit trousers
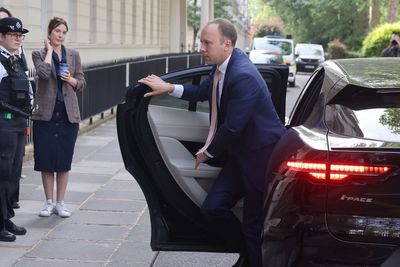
(241,177)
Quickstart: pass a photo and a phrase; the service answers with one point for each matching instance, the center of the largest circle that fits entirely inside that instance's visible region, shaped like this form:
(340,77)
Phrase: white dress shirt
(178,89)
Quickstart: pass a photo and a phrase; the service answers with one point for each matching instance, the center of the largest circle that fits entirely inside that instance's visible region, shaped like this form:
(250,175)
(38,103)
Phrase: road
(201,259)
(293,93)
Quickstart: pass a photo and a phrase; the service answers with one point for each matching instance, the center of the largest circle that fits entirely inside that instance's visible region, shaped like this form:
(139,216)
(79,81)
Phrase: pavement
(109,225)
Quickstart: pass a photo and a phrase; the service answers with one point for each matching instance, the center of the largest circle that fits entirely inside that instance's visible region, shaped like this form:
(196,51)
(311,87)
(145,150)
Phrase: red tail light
(335,171)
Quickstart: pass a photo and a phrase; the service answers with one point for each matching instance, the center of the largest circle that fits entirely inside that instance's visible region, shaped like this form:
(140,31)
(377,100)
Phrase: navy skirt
(54,141)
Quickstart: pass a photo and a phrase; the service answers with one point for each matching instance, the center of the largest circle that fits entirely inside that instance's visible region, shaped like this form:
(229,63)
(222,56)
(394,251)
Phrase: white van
(287,50)
(308,56)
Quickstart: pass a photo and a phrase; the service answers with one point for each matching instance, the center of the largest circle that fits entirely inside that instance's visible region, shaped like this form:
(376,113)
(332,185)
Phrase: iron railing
(107,82)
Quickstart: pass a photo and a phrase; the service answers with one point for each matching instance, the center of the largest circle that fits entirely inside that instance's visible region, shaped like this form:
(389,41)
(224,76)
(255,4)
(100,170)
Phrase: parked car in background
(333,180)
(308,56)
(266,54)
(261,44)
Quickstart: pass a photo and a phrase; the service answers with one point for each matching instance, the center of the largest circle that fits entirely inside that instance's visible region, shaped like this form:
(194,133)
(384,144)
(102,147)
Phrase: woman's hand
(66,77)
(49,50)
(47,45)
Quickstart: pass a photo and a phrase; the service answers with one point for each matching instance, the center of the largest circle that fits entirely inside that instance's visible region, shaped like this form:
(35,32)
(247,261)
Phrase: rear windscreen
(365,113)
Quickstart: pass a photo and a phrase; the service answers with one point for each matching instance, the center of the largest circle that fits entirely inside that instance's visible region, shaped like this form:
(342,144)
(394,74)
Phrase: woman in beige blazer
(56,114)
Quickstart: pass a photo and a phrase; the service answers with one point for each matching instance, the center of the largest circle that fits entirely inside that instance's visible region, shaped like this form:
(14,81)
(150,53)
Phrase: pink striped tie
(214,111)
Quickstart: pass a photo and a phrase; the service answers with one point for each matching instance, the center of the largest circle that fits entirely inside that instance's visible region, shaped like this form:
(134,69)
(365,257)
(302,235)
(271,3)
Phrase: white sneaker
(62,210)
(48,209)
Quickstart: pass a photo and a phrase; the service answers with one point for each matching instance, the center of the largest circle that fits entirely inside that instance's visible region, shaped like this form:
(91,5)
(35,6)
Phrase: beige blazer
(46,89)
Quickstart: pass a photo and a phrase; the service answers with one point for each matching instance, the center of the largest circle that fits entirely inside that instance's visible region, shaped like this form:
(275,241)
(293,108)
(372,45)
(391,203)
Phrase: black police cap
(11,24)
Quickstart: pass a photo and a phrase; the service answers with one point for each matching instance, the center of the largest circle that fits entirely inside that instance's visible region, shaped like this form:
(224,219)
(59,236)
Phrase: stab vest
(14,89)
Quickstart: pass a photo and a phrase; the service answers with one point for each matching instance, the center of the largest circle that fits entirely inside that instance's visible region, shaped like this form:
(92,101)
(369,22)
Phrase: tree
(224,9)
(265,20)
(193,19)
(392,10)
(260,12)
(375,13)
(320,21)
(391,118)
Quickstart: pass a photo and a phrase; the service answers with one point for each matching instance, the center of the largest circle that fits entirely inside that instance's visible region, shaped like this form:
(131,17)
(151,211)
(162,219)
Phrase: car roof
(309,45)
(368,72)
(306,44)
(277,38)
(270,47)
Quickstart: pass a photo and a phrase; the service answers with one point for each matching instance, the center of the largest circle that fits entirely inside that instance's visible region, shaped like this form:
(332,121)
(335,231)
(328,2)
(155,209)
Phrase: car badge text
(356,199)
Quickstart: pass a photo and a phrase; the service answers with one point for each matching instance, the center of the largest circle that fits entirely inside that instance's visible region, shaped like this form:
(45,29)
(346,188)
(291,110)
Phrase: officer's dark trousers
(12,142)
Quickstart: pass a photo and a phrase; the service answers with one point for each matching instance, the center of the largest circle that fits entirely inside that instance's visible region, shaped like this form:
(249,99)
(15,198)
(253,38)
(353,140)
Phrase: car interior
(171,127)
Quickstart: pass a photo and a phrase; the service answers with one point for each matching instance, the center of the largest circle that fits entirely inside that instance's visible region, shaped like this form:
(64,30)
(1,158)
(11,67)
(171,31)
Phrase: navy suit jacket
(247,120)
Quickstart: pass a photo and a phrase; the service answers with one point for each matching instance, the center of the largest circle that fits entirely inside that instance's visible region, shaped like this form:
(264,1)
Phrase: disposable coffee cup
(62,68)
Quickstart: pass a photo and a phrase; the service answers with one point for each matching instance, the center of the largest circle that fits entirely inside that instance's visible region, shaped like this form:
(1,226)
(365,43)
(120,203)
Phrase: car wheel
(292,84)
(281,253)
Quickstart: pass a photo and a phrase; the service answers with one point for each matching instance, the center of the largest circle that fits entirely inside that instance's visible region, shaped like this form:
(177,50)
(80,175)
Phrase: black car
(333,181)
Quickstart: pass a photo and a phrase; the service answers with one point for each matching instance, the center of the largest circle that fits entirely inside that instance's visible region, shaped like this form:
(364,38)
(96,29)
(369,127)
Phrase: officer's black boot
(13,228)
(5,235)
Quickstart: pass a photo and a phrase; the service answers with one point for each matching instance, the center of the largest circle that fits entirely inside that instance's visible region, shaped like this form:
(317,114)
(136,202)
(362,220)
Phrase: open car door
(158,138)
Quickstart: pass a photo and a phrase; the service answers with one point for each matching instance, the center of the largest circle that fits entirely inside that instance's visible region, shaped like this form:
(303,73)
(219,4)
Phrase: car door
(158,138)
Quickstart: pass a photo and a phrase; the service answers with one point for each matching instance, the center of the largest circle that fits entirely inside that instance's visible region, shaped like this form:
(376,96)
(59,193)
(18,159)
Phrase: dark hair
(226,29)
(393,43)
(5,10)
(54,23)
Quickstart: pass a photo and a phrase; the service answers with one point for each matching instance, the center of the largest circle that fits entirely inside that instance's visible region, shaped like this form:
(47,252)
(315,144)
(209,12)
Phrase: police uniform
(15,196)
(14,107)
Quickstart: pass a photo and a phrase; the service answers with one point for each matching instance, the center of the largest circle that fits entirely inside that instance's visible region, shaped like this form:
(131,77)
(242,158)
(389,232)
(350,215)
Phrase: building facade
(103,30)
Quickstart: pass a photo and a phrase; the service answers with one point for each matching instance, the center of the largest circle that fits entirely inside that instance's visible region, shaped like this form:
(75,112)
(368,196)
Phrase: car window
(309,51)
(267,44)
(169,101)
(307,109)
(285,46)
(361,112)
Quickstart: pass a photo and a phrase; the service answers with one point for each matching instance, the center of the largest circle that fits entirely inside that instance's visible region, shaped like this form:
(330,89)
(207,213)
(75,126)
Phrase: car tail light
(334,171)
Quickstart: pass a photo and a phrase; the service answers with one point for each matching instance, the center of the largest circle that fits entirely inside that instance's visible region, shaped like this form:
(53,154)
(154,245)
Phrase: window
(365,113)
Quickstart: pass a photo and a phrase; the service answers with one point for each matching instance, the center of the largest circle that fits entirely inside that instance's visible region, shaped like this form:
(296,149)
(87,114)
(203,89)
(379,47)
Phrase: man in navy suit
(247,130)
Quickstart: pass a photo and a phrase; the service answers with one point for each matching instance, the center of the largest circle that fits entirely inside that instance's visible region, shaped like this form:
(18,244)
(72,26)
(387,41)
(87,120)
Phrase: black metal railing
(107,82)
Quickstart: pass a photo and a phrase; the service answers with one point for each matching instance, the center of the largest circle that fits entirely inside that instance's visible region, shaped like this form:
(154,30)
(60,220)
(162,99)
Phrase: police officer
(4,13)
(14,107)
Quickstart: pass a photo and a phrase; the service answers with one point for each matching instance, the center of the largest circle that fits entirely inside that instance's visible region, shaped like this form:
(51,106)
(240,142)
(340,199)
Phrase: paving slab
(90,232)
(114,205)
(105,218)
(72,250)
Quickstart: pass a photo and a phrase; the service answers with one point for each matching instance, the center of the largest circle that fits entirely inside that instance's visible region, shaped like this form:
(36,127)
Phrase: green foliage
(353,54)
(267,30)
(193,19)
(391,118)
(337,49)
(272,26)
(260,12)
(193,14)
(320,21)
(378,39)
(224,9)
